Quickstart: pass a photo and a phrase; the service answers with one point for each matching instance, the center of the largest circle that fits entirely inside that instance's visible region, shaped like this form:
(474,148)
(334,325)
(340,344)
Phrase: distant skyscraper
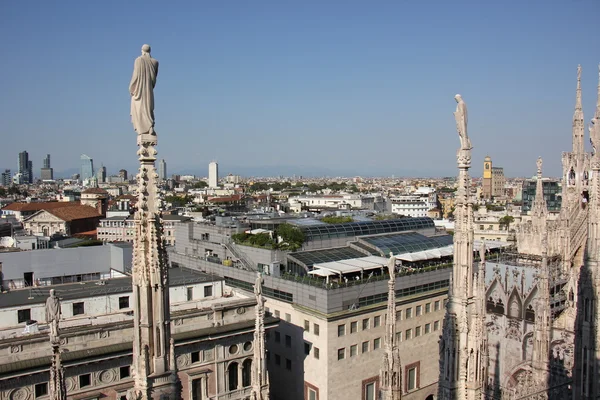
(162,169)
(87,167)
(6,178)
(123,174)
(25,168)
(213,174)
(102,174)
(46,173)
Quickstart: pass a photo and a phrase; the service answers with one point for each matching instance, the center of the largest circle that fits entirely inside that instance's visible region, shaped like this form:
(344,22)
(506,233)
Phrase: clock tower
(487,178)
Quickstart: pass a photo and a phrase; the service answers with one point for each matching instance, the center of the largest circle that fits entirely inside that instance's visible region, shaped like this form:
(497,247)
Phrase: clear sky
(334,87)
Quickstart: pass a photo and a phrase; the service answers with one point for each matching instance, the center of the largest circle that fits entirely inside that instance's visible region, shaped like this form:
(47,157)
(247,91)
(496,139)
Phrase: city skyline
(319,87)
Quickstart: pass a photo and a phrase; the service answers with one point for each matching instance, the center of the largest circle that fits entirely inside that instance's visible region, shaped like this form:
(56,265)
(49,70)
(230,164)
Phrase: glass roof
(309,258)
(351,229)
(408,242)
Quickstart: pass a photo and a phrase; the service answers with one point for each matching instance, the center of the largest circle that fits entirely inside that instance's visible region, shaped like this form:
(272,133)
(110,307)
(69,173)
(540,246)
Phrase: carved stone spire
(57,389)
(153,377)
(260,377)
(390,374)
(578,124)
(542,329)
(462,344)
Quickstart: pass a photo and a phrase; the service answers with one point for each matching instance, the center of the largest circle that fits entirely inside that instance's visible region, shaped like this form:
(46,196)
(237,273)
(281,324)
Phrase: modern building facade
(213,175)
(552,194)
(24,168)
(6,178)
(46,173)
(162,169)
(86,167)
(101,175)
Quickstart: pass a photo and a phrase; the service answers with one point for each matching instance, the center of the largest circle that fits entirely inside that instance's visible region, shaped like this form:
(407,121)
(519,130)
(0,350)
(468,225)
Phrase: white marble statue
(141,88)
(53,314)
(461,122)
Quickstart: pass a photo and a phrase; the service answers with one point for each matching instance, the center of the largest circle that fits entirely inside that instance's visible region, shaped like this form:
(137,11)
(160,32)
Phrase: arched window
(247,373)
(232,376)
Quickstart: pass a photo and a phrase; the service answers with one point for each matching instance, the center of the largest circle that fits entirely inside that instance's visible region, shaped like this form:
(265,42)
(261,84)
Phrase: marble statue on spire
(53,314)
(461,122)
(141,89)
(259,375)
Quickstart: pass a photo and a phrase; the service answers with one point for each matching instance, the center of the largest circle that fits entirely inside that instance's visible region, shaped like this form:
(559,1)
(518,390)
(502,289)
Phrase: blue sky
(334,87)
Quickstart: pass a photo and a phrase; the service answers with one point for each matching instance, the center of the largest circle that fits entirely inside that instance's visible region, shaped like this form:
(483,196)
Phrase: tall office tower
(30,171)
(46,173)
(87,167)
(162,169)
(6,178)
(101,174)
(46,161)
(123,174)
(24,168)
(213,174)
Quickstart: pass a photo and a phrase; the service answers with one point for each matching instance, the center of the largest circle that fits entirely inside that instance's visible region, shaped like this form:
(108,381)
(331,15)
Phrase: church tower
(487,178)
(463,346)
(587,346)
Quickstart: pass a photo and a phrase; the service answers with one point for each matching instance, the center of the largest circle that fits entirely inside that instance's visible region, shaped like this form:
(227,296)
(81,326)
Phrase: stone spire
(539,208)
(390,374)
(543,324)
(462,344)
(260,378)
(56,386)
(152,373)
(578,124)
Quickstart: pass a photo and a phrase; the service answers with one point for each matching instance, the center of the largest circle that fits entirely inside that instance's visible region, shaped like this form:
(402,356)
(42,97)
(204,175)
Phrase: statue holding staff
(141,88)
(53,314)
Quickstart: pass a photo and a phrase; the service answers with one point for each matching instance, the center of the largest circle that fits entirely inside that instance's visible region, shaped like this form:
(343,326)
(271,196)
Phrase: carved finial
(578,105)
(597,114)
(539,167)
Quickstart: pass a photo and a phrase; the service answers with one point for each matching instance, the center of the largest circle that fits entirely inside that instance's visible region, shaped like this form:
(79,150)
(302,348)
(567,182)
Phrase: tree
(200,185)
(2,192)
(292,237)
(336,220)
(506,221)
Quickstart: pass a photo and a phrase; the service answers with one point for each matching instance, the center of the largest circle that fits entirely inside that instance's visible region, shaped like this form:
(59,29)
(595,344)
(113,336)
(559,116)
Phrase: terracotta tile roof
(225,199)
(95,191)
(73,213)
(36,206)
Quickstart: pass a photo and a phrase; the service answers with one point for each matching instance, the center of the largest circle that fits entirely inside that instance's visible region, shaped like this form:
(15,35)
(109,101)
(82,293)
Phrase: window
(277,337)
(341,330)
(427,308)
(125,372)
(123,302)
(78,308)
(316,329)
(288,341)
(365,347)
(399,315)
(288,317)
(376,343)
(398,336)
(23,315)
(408,334)
(353,327)
(376,321)
(419,310)
(365,324)
(369,389)
(316,352)
(427,328)
(353,350)
(85,380)
(41,389)
(408,313)
(190,294)
(312,394)
(277,313)
(307,326)
(277,359)
(306,348)
(195,356)
(412,377)
(341,353)
(480,227)
(288,364)
(436,325)
(417,331)
(208,292)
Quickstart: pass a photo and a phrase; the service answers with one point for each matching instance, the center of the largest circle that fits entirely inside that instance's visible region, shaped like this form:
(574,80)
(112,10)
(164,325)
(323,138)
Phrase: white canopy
(349,266)
(447,251)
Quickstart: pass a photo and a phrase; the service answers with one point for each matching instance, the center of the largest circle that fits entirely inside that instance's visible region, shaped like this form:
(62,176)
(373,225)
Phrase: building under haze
(213,174)
(493,180)
(87,167)
(6,178)
(24,168)
(162,169)
(46,173)
(101,174)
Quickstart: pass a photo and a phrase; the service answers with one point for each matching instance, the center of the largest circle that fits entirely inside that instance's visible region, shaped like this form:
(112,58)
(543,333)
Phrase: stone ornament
(53,315)
(461,123)
(141,89)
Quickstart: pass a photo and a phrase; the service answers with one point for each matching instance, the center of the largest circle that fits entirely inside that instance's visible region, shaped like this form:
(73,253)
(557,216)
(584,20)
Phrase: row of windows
(41,389)
(288,362)
(381,297)
(273,293)
(24,315)
(353,350)
(208,292)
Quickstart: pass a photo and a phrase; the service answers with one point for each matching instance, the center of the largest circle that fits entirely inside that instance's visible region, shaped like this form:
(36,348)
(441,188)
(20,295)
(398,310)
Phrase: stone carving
(461,123)
(15,349)
(53,315)
(141,89)
(71,384)
(183,360)
(20,394)
(107,376)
